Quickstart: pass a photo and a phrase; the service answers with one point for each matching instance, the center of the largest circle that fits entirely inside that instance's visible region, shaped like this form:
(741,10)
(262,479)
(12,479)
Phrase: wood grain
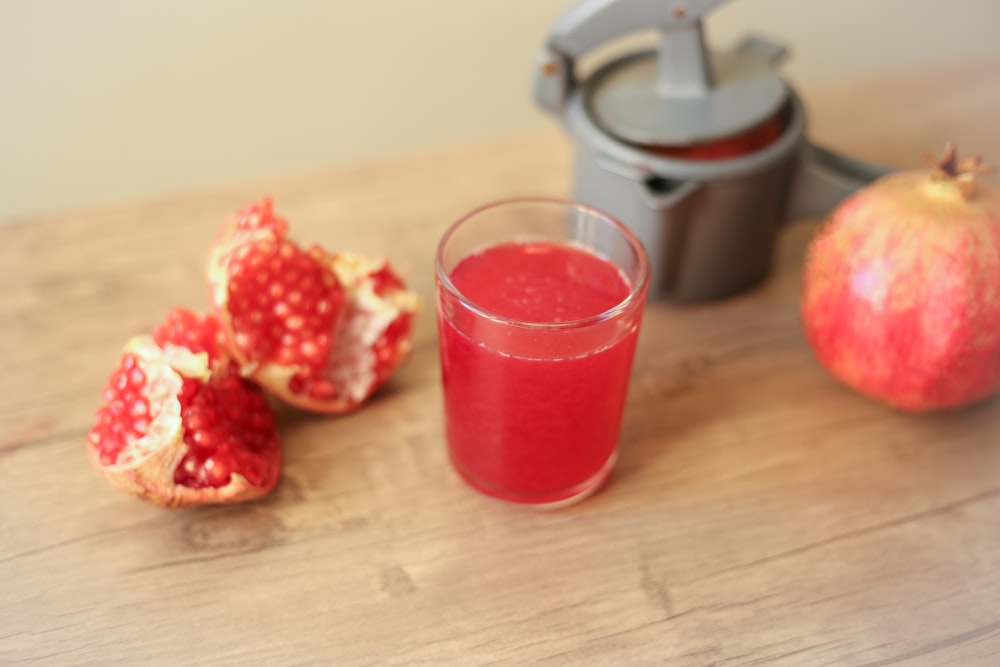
(760,514)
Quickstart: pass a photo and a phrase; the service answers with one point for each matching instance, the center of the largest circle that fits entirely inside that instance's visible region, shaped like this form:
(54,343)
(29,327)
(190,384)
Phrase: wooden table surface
(760,513)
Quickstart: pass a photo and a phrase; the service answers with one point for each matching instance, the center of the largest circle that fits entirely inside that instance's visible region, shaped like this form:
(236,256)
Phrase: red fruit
(194,331)
(901,290)
(179,427)
(321,330)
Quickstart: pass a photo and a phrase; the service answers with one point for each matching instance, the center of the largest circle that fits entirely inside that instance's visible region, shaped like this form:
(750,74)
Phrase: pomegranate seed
(322,388)
(310,351)
(297,383)
(384,280)
(245,340)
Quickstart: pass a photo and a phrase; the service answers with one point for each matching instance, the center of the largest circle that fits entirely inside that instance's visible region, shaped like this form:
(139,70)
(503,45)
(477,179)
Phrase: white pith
(165,370)
(366,317)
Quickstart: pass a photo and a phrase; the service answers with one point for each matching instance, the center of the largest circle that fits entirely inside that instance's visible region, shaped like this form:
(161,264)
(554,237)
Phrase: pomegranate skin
(901,292)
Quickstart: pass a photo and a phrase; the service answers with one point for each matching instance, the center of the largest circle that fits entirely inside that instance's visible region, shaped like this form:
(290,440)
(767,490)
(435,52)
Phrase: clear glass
(533,409)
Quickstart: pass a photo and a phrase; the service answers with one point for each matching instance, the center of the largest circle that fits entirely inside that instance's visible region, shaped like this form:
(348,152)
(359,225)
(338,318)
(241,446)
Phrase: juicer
(702,154)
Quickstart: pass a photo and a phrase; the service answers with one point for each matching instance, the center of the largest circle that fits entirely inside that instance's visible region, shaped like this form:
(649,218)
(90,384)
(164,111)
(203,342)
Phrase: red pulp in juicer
(745,142)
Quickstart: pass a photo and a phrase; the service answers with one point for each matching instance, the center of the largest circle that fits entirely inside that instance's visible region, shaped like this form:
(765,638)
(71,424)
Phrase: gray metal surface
(682,94)
(708,225)
(709,231)
(627,99)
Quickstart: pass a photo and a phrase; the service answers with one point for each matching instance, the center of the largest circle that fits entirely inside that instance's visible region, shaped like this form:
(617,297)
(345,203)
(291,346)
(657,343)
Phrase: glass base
(549,500)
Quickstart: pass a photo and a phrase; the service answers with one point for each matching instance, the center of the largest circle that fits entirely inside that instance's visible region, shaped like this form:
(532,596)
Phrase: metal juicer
(702,154)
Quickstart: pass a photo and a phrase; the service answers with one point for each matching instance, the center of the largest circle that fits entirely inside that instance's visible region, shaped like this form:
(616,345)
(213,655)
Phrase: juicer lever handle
(593,22)
(823,179)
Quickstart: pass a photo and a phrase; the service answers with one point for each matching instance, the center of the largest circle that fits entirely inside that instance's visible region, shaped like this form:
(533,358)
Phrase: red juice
(533,413)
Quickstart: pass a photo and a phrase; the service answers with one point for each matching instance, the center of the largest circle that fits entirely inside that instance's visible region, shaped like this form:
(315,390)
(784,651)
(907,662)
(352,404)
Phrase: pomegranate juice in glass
(539,304)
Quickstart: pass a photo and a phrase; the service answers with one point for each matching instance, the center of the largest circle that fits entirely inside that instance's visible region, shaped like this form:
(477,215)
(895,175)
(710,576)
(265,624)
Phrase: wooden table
(760,512)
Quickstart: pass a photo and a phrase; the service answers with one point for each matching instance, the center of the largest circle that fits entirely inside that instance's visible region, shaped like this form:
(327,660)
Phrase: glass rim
(636,290)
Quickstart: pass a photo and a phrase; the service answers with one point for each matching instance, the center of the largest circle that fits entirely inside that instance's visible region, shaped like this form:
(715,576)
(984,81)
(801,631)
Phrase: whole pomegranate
(179,426)
(901,288)
(321,330)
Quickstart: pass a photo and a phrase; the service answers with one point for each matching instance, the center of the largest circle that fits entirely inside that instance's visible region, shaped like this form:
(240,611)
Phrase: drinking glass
(534,394)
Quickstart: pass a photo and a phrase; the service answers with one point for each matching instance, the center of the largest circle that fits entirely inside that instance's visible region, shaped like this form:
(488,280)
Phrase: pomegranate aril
(245,340)
(386,345)
(119,419)
(259,216)
(322,388)
(384,279)
(262,319)
(215,474)
(190,330)
(204,439)
(310,351)
(297,383)
(233,413)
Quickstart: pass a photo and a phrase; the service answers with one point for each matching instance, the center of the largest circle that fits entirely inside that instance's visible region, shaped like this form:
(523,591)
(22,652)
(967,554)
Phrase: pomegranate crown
(962,172)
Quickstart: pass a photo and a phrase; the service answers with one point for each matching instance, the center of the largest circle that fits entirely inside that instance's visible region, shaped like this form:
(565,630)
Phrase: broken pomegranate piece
(321,330)
(179,427)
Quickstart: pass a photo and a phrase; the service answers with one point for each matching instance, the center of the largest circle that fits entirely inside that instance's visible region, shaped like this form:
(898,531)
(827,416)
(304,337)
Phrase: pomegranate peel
(320,330)
(180,428)
(901,288)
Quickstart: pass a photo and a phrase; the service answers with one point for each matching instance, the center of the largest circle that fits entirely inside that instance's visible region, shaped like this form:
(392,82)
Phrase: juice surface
(540,281)
(536,426)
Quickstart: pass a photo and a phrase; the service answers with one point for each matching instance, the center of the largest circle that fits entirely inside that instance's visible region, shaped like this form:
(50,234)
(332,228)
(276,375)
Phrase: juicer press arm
(594,22)
(823,178)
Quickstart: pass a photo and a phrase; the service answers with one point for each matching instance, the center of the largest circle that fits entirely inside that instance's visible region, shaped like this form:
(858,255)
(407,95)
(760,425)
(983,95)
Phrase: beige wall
(106,100)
